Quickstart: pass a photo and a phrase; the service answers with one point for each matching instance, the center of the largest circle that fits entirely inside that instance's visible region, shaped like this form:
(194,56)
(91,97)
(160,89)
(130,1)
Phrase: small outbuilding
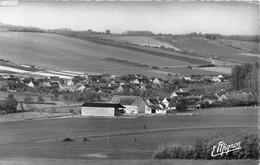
(102,109)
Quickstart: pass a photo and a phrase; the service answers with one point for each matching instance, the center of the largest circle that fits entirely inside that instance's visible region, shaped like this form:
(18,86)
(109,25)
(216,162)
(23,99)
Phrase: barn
(102,109)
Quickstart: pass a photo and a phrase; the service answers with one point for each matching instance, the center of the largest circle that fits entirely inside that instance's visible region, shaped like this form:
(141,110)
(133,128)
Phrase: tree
(181,106)
(91,96)
(108,32)
(245,77)
(9,105)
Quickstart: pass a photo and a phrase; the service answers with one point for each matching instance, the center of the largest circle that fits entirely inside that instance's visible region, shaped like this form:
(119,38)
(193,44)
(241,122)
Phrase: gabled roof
(210,97)
(154,106)
(126,100)
(190,102)
(154,100)
(108,105)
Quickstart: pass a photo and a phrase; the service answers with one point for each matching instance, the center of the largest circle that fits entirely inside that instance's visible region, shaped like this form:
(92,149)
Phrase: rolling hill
(215,48)
(64,53)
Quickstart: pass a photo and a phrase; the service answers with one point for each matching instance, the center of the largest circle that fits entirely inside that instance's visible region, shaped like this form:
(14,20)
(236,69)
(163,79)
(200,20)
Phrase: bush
(67,140)
(27,99)
(40,99)
(72,111)
(85,139)
(203,147)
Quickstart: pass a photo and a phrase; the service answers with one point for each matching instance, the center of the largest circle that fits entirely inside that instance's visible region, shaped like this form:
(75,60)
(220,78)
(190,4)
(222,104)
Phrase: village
(110,95)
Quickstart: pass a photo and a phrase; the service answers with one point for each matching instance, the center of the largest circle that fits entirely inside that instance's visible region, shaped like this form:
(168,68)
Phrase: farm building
(102,109)
(132,104)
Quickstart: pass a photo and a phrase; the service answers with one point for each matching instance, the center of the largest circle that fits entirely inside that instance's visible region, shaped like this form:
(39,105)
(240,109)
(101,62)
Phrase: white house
(165,102)
(70,82)
(174,94)
(153,108)
(81,88)
(31,85)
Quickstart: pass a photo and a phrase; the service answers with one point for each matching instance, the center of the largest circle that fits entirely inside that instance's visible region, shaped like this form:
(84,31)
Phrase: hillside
(202,47)
(54,51)
(64,53)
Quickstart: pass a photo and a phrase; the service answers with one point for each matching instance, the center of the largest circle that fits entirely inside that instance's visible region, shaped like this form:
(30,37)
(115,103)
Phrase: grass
(26,161)
(120,138)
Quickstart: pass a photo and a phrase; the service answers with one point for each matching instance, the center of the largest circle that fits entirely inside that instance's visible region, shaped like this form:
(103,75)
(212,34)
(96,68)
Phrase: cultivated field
(115,139)
(215,48)
(143,41)
(241,45)
(224,70)
(63,53)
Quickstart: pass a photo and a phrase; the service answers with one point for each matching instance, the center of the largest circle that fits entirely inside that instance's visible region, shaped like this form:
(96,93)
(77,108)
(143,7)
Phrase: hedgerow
(202,148)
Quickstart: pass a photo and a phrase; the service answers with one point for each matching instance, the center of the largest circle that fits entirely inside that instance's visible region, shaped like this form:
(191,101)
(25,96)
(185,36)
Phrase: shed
(102,109)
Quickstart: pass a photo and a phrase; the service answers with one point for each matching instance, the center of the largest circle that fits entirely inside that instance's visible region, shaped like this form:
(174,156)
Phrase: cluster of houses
(120,87)
(101,83)
(156,105)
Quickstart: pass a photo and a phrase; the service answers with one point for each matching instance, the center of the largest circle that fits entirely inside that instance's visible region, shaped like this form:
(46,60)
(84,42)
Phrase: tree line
(245,77)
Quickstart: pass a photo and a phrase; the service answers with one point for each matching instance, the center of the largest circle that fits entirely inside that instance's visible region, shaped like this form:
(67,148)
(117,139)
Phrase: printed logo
(222,148)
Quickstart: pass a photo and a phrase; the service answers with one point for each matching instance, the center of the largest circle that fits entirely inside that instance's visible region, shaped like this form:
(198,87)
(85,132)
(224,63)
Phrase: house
(154,108)
(46,84)
(132,104)
(156,101)
(124,88)
(166,102)
(157,81)
(136,81)
(216,79)
(102,109)
(191,103)
(31,85)
(57,79)
(179,94)
(210,98)
(81,88)
(186,77)
(70,82)
(183,90)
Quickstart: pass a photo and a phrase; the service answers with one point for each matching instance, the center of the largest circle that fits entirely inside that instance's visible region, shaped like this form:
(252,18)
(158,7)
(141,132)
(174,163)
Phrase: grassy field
(58,52)
(21,161)
(120,138)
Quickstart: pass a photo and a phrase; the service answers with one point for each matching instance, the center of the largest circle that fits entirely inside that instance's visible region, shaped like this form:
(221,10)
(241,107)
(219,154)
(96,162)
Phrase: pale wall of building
(97,111)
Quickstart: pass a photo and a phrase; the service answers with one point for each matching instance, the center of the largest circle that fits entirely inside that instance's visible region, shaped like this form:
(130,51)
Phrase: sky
(240,18)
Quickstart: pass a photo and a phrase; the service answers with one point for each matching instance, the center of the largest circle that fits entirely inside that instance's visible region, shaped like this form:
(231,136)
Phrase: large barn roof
(103,105)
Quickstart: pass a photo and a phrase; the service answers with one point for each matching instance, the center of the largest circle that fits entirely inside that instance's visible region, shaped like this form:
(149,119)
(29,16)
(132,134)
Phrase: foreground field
(121,138)
(20,161)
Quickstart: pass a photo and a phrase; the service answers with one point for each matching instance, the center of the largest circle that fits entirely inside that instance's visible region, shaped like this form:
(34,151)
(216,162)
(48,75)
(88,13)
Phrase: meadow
(119,138)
